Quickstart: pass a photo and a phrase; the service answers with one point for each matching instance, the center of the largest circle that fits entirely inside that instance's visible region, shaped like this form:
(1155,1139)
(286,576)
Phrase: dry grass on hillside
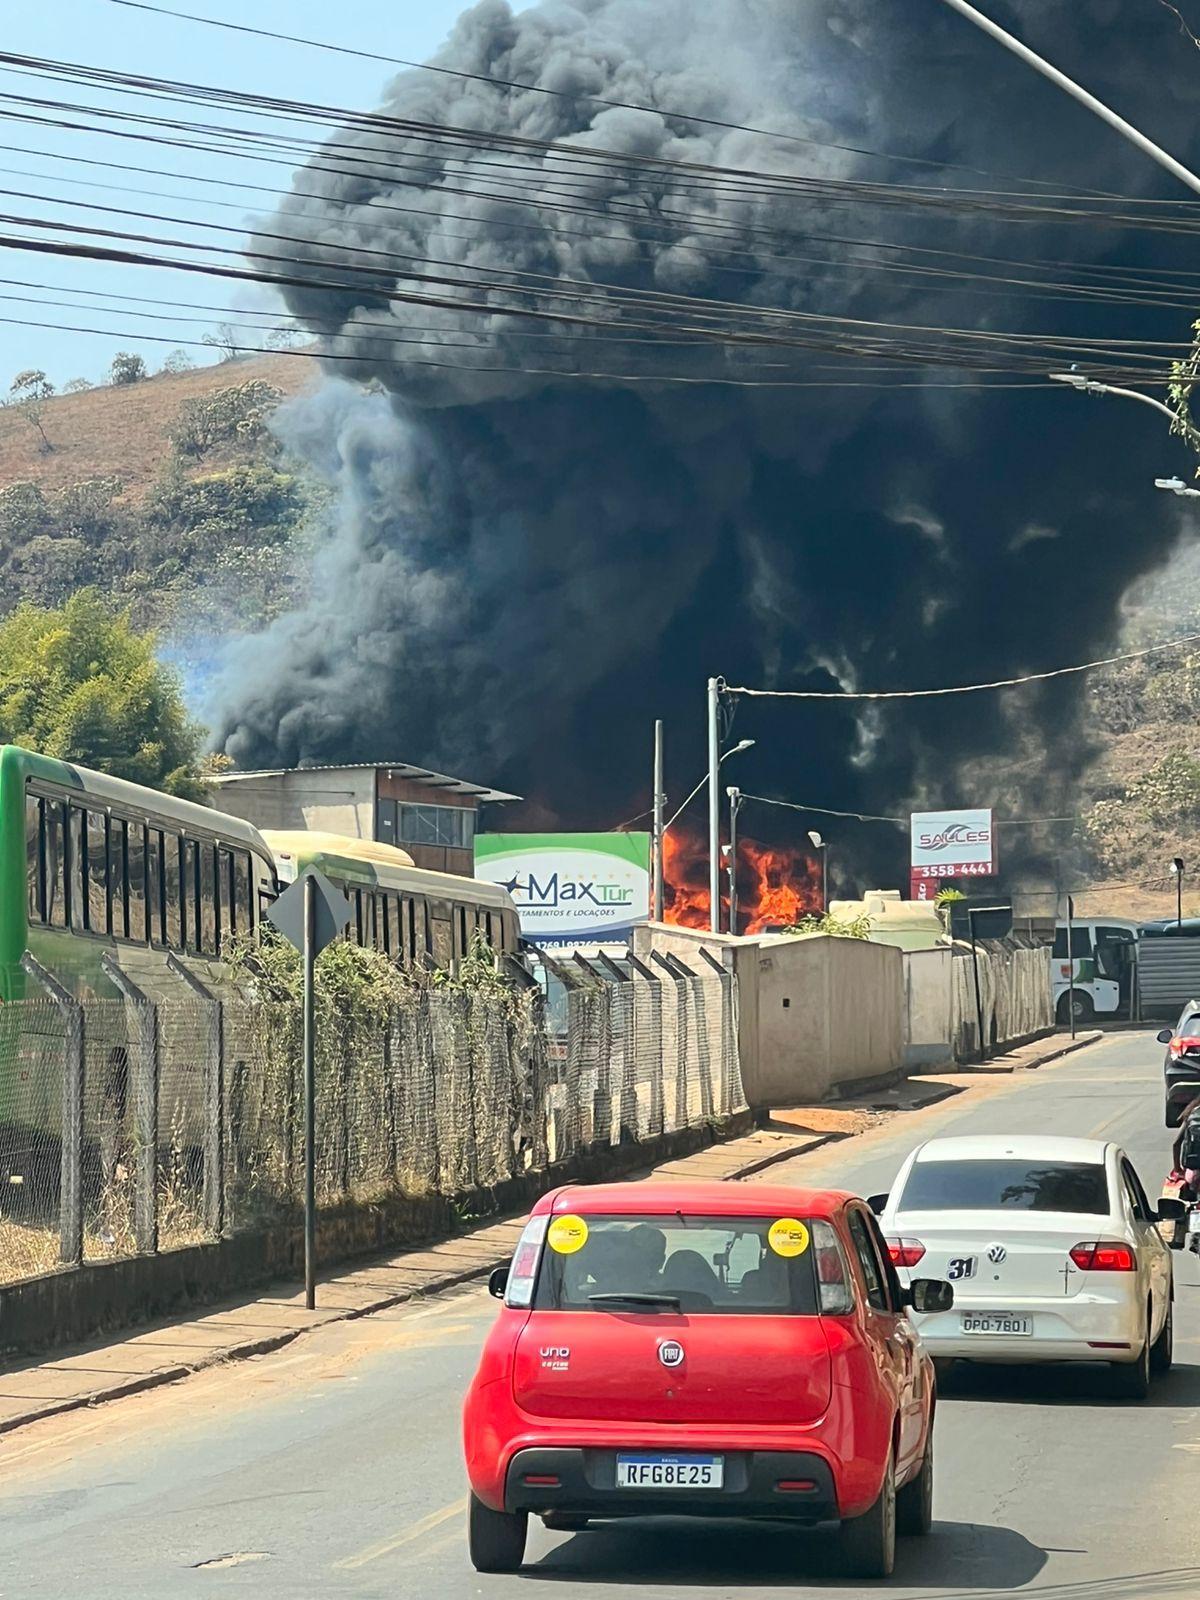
(123,431)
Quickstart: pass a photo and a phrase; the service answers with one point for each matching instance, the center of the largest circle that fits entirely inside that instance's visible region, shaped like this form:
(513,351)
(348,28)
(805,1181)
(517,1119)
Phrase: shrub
(127,368)
(237,415)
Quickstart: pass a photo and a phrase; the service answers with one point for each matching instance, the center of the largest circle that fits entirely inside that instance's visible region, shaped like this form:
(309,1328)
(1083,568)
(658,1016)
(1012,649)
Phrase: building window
(451,827)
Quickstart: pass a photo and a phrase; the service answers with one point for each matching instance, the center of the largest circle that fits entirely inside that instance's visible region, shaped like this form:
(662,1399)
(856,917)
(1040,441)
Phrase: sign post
(310,914)
(571,888)
(950,844)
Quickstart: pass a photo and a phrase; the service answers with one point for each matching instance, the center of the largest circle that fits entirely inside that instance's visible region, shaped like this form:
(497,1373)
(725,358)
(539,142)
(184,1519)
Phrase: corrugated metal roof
(399,769)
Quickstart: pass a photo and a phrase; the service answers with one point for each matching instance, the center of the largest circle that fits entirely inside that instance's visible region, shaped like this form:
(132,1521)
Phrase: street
(333,1468)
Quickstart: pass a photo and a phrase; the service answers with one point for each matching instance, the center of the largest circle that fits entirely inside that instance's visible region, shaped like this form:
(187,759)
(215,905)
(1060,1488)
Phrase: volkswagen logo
(996,1254)
(670,1353)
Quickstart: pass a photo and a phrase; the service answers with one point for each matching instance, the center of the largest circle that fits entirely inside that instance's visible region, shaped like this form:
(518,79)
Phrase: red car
(702,1349)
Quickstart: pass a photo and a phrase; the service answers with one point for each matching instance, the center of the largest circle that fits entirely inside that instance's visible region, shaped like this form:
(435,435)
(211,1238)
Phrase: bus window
(464,935)
(386,920)
(56,906)
(442,933)
(172,846)
(76,863)
(156,921)
(1081,941)
(206,939)
(118,887)
(97,873)
(243,914)
(35,864)
(189,897)
(137,900)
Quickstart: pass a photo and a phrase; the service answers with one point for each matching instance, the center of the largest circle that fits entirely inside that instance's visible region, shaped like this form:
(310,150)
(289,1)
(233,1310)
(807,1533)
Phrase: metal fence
(1014,995)
(135,1125)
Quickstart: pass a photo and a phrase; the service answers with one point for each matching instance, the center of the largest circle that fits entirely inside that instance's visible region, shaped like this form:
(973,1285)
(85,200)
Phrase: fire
(777,886)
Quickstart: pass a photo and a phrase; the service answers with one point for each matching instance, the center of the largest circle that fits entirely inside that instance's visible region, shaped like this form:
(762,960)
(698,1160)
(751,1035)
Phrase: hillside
(170,494)
(125,429)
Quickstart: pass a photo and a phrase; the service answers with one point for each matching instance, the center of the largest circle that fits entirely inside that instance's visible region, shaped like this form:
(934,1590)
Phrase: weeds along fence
(137,1125)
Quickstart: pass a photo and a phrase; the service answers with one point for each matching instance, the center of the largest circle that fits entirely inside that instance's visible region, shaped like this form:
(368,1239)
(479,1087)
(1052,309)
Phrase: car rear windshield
(726,1265)
(1006,1184)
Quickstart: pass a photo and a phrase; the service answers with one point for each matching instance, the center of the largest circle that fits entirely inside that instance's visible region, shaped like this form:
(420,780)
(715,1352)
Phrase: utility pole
(1177,871)
(660,801)
(735,805)
(715,685)
(1069,86)
(1071,962)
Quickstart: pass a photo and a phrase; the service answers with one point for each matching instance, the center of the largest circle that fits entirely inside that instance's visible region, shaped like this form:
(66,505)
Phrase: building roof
(399,769)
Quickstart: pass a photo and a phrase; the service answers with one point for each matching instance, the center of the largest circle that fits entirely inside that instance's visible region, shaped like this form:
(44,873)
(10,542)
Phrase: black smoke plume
(527,569)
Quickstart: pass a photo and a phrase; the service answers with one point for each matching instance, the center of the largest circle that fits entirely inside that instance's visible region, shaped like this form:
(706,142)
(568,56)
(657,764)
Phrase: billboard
(950,844)
(570,888)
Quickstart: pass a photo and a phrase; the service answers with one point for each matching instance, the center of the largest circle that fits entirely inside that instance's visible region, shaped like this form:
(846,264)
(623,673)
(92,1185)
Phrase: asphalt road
(332,1468)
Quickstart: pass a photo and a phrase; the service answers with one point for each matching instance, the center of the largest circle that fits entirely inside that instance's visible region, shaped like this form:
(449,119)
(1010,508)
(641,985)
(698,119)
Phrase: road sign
(331,911)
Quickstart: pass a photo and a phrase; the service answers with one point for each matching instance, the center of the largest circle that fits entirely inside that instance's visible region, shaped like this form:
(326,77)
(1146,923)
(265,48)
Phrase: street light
(1177,486)
(1177,874)
(1105,113)
(818,843)
(1085,385)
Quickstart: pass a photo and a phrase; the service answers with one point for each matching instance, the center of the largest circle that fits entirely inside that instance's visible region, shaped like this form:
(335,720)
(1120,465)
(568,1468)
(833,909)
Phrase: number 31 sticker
(787,1237)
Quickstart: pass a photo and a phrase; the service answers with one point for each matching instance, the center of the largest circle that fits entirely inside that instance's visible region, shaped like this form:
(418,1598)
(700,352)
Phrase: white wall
(928,995)
(813,1011)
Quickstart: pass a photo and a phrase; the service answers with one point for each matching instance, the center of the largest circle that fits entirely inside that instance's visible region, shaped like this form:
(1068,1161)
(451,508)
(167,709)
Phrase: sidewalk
(250,1325)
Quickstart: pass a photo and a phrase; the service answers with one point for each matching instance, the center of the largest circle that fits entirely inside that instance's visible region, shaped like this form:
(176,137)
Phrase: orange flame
(777,886)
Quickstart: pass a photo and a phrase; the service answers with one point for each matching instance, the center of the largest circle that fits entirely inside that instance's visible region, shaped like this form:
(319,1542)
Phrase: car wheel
(563,1522)
(1162,1352)
(914,1503)
(495,1539)
(1131,1379)
(869,1541)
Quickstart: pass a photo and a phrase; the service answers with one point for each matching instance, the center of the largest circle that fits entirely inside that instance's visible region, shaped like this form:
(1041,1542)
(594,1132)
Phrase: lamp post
(1177,873)
(660,801)
(735,805)
(714,838)
(820,845)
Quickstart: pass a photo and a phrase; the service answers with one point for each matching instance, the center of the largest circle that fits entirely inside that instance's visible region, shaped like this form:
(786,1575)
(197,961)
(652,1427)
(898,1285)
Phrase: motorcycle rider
(1189,1175)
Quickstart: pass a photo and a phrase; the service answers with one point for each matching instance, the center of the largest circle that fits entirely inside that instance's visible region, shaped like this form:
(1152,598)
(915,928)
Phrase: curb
(1080,1042)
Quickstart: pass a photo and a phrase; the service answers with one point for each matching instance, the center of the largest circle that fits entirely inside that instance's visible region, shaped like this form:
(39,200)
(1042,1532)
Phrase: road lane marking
(1126,1107)
(385,1546)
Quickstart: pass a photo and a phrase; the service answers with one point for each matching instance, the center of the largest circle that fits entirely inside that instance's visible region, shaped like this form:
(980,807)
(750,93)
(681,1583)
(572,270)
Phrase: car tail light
(1103,1255)
(543,1480)
(905,1252)
(522,1275)
(1184,1046)
(796,1485)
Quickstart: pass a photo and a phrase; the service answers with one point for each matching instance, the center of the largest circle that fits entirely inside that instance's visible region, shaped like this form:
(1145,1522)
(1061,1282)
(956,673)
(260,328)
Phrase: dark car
(1181,1069)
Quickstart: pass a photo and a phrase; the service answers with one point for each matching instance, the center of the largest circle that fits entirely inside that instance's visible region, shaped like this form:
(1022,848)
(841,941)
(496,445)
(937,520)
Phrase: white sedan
(1052,1248)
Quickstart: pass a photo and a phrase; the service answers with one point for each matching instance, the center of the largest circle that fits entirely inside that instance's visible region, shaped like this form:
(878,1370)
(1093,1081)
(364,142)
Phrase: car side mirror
(877,1203)
(1171,1210)
(1164,1036)
(929,1295)
(498,1282)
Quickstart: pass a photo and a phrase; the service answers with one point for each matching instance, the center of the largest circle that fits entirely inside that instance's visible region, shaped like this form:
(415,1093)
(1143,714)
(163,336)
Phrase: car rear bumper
(586,1486)
(1076,1328)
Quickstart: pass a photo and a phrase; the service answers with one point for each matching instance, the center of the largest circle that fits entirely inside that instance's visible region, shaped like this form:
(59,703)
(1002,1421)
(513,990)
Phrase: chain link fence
(135,1125)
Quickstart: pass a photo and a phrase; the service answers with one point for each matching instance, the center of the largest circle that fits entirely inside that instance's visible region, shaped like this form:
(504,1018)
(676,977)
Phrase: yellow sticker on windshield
(568,1234)
(787,1237)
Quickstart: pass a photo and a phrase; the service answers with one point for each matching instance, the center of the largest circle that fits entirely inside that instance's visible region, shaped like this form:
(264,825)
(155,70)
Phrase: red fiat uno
(703,1349)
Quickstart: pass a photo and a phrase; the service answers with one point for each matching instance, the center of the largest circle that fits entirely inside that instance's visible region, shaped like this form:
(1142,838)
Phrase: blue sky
(98,33)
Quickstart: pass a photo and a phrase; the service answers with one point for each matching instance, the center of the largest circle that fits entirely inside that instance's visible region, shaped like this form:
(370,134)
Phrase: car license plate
(670,1472)
(995,1322)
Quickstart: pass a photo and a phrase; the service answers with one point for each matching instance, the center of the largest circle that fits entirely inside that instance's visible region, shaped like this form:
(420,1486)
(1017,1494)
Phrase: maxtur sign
(570,888)
(950,844)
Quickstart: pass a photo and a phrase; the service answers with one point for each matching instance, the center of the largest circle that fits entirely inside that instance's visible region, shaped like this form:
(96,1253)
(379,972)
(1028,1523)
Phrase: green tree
(28,391)
(77,682)
(127,368)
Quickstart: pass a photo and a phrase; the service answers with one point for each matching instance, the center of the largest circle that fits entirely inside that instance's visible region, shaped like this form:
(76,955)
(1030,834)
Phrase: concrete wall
(813,1011)
(341,800)
(928,999)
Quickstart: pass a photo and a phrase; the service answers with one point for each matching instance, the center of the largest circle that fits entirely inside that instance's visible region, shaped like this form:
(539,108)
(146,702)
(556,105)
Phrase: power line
(862,816)
(965,688)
